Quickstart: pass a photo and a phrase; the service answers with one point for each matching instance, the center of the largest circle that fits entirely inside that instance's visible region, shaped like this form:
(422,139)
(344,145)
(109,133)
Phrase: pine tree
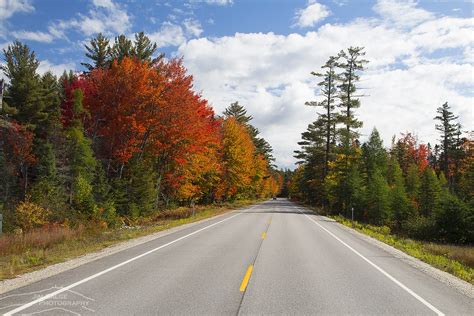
(98,51)
(123,47)
(82,161)
(23,94)
(430,190)
(329,91)
(352,64)
(378,200)
(448,129)
(144,49)
(374,155)
(399,202)
(239,113)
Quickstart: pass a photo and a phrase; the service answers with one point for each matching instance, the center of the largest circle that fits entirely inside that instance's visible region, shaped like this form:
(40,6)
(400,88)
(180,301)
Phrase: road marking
(64,289)
(246,279)
(400,284)
(264,234)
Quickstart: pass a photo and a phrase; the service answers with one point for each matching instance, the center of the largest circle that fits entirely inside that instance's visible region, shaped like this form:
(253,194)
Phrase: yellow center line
(264,234)
(246,279)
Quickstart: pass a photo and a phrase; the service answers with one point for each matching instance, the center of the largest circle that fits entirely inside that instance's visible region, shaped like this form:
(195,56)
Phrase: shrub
(29,215)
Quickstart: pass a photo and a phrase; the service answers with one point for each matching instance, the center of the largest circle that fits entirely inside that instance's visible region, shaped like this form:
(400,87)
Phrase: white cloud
(10,7)
(270,75)
(312,14)
(56,69)
(402,12)
(211,2)
(193,27)
(169,35)
(172,34)
(34,36)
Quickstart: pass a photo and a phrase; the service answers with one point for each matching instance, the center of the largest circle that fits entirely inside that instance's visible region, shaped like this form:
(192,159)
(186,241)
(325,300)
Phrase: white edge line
(400,284)
(43,298)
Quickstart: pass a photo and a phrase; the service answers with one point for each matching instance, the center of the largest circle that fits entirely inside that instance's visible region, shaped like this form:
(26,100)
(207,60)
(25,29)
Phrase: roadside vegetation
(417,197)
(125,142)
(455,259)
(54,243)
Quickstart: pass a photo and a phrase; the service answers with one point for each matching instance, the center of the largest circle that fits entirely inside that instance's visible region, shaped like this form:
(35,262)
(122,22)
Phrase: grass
(52,244)
(454,259)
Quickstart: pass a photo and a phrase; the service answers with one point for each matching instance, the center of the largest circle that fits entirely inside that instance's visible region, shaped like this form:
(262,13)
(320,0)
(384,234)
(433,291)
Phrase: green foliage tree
(352,63)
(23,94)
(82,161)
(374,155)
(430,191)
(400,205)
(98,51)
(378,200)
(329,90)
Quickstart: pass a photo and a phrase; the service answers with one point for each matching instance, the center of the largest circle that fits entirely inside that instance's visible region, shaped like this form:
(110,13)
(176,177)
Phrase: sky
(262,52)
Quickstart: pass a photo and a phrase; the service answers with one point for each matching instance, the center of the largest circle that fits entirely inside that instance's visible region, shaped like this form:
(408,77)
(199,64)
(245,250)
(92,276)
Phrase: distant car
(274,198)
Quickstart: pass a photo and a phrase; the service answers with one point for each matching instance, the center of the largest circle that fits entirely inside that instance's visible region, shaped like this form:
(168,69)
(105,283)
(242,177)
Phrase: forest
(126,138)
(418,190)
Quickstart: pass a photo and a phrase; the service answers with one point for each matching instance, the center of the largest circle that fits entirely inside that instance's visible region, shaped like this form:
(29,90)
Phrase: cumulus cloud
(105,16)
(404,83)
(313,13)
(34,36)
(56,69)
(402,12)
(217,2)
(10,7)
(172,34)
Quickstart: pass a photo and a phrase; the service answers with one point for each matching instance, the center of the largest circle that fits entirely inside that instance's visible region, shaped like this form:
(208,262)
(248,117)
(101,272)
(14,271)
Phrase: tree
(329,91)
(352,63)
(122,47)
(238,154)
(399,202)
(99,52)
(430,191)
(82,161)
(144,49)
(378,200)
(238,112)
(448,129)
(23,94)
(374,155)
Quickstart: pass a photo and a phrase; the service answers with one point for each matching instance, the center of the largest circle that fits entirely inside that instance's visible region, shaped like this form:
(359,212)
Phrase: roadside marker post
(1,222)
(352,216)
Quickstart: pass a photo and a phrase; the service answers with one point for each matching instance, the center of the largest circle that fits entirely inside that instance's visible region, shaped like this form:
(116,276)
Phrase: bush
(29,215)
(423,228)
(451,220)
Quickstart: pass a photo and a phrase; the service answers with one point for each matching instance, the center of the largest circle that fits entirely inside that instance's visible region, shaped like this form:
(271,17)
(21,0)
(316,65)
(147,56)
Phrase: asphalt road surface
(271,258)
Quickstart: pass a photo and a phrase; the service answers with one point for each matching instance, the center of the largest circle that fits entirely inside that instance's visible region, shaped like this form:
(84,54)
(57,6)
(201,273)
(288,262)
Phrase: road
(271,258)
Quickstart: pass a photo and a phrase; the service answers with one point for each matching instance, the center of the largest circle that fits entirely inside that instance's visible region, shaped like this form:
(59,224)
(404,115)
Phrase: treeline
(418,190)
(126,138)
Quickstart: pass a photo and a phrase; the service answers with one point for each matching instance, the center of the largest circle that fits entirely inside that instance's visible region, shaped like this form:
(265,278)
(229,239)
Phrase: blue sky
(261,53)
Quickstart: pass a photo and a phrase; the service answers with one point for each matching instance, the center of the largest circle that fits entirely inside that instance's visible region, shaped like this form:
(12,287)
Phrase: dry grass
(52,244)
(463,254)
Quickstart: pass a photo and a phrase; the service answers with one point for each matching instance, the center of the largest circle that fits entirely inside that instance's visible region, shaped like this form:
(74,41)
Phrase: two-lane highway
(271,258)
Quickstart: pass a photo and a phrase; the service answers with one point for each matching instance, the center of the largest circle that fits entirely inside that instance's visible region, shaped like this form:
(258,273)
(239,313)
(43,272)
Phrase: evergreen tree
(399,202)
(430,191)
(329,91)
(413,182)
(239,113)
(352,64)
(374,155)
(448,129)
(98,51)
(82,161)
(23,94)
(378,200)
(143,48)
(123,47)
